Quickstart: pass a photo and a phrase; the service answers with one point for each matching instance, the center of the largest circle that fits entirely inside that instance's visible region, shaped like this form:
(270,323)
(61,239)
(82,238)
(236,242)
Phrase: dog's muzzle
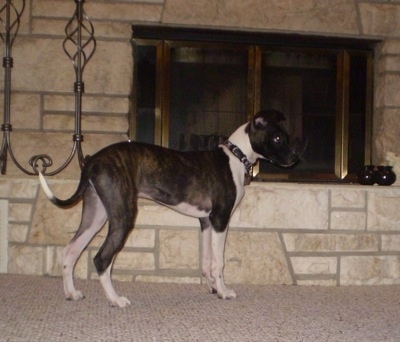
(294,155)
(298,149)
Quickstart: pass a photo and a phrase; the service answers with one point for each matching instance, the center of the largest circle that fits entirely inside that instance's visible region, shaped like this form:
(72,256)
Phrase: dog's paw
(227,294)
(75,295)
(121,302)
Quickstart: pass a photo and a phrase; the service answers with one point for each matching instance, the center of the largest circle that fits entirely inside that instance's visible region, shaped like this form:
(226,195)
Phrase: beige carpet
(33,309)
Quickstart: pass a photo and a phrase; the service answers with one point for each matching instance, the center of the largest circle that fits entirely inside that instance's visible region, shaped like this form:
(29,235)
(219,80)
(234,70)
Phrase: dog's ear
(262,118)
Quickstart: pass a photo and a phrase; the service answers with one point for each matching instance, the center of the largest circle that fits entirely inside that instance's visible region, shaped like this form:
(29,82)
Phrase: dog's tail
(60,202)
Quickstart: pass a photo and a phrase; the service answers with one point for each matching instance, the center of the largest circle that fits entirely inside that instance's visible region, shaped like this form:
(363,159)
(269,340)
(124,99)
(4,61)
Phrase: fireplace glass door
(207,95)
(193,88)
(303,85)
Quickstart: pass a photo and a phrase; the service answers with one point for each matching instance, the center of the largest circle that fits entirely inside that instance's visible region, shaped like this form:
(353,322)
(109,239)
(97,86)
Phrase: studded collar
(237,152)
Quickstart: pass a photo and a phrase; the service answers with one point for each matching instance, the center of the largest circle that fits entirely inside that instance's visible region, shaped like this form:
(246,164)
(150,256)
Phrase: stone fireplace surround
(282,233)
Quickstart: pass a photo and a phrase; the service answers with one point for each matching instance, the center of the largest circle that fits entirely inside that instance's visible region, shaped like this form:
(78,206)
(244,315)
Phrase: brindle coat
(208,185)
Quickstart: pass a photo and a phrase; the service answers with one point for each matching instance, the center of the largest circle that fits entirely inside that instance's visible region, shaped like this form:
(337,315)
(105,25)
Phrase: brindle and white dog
(207,185)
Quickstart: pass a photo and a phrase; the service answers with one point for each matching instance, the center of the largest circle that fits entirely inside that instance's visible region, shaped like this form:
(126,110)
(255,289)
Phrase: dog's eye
(278,139)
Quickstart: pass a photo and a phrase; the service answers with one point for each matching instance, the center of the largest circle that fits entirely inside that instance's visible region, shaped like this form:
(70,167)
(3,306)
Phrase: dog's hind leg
(104,260)
(121,222)
(93,218)
(113,298)
(217,267)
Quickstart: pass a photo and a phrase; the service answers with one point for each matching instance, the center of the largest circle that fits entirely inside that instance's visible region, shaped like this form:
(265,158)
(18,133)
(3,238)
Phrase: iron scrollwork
(79,45)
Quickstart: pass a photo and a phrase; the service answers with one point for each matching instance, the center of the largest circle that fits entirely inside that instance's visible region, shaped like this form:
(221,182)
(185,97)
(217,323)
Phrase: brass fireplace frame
(166,38)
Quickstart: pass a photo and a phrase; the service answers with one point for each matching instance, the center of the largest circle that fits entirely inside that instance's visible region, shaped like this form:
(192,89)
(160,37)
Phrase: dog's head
(270,140)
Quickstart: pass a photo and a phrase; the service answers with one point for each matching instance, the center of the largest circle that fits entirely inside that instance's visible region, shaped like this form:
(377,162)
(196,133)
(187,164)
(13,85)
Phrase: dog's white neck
(241,139)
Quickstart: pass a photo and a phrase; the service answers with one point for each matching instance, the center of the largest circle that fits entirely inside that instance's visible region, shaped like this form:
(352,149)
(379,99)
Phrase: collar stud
(237,152)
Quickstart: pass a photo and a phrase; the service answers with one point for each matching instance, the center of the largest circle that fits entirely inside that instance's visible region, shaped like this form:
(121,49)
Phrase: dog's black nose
(299,147)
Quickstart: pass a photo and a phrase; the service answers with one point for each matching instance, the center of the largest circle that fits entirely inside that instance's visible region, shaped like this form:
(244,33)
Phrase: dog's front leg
(207,254)
(217,267)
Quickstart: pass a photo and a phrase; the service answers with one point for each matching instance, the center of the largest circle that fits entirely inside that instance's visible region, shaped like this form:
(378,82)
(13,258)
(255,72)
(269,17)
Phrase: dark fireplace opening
(208,91)
(193,88)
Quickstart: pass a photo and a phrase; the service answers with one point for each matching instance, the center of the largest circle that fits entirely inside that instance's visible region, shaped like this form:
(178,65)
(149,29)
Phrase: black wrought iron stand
(79,45)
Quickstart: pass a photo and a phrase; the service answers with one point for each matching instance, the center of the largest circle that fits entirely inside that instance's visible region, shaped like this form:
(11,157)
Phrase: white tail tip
(45,186)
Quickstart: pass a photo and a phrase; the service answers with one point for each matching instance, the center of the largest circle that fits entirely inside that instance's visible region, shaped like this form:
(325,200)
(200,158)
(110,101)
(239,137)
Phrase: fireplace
(193,88)
(207,95)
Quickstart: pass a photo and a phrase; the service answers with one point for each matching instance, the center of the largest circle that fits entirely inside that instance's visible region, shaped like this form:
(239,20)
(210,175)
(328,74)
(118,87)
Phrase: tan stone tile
(25,18)
(41,71)
(122,277)
(339,16)
(167,279)
(109,71)
(314,265)
(58,146)
(28,144)
(387,91)
(51,26)
(317,282)
(17,232)
(370,270)
(390,46)
(19,211)
(54,260)
(331,242)
(387,136)
(103,123)
(393,159)
(383,209)
(350,220)
(53,102)
(100,123)
(129,261)
(283,206)
(390,242)
(179,249)
(18,188)
(379,18)
(255,258)
(389,64)
(108,29)
(347,198)
(141,238)
(52,8)
(98,104)
(58,122)
(52,225)
(25,260)
(49,17)
(23,106)
(150,11)
(94,275)
(94,142)
(112,29)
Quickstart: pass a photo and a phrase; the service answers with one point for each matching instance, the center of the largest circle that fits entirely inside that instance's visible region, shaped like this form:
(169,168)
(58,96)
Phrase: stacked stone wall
(281,234)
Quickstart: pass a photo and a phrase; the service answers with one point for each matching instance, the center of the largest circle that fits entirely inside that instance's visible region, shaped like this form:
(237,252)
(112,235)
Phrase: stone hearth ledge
(282,233)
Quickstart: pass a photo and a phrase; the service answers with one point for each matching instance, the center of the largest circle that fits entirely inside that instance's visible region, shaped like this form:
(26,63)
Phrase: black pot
(384,175)
(366,176)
